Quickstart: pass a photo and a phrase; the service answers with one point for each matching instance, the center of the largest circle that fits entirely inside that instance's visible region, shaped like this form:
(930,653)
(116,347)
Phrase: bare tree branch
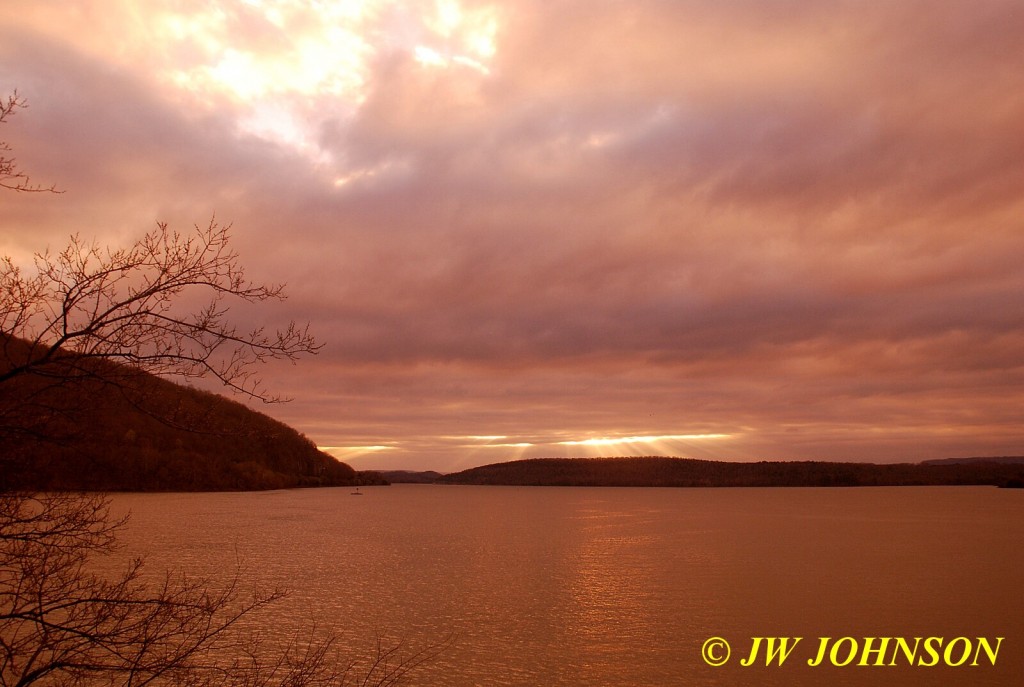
(62,624)
(11,177)
(56,617)
(129,305)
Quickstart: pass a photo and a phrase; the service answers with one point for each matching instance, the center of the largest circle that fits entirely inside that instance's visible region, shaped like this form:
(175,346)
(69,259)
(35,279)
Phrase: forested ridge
(98,425)
(655,471)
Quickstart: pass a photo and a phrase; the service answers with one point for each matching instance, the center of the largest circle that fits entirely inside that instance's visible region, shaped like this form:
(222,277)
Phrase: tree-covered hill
(97,425)
(680,472)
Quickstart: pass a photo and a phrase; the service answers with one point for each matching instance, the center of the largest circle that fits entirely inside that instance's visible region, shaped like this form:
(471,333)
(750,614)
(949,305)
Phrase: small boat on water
(356,492)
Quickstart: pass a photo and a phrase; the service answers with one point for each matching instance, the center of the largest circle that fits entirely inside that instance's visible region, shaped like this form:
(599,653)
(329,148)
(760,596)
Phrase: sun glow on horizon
(490,441)
(346,453)
(688,445)
(642,439)
(534,445)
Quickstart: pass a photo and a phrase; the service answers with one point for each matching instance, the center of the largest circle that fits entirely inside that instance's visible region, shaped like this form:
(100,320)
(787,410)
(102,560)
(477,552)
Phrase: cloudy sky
(742,229)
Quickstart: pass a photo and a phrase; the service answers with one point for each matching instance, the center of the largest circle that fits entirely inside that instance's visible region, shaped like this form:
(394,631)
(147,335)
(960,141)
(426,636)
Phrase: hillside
(95,425)
(681,472)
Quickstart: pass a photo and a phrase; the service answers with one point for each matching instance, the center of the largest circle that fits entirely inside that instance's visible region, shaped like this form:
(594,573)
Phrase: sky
(736,230)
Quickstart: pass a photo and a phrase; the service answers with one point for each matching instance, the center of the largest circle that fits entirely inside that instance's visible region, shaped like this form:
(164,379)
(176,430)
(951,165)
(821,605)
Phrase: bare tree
(59,622)
(129,305)
(62,624)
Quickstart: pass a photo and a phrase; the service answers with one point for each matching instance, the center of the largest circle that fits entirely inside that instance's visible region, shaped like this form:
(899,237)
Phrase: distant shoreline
(660,471)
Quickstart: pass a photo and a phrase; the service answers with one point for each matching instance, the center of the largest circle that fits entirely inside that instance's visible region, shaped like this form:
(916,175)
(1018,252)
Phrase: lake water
(608,586)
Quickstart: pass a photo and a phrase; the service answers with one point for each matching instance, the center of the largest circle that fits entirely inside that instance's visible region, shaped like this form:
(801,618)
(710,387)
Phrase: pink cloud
(799,228)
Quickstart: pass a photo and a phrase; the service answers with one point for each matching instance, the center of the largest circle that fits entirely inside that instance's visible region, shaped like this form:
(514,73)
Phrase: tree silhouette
(131,305)
(60,624)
